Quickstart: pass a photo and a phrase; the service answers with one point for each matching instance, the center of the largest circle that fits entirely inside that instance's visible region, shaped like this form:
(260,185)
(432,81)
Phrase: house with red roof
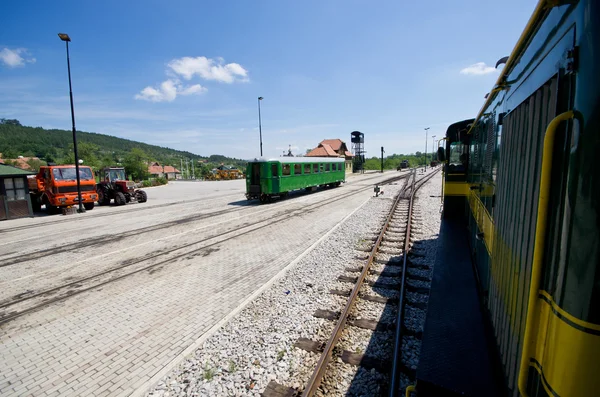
(333,148)
(163,171)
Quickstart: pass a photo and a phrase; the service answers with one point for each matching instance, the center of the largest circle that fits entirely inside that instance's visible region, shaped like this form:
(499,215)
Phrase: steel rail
(315,380)
(395,378)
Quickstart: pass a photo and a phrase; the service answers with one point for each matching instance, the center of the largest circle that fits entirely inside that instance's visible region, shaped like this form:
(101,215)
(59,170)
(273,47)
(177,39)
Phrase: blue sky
(187,74)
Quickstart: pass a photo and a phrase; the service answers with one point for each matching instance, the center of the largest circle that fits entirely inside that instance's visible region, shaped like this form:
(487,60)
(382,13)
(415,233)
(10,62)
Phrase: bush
(161,181)
(147,183)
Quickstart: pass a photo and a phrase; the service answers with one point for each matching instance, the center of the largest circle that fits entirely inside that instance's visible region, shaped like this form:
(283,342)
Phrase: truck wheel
(119,198)
(50,209)
(88,206)
(142,197)
(36,206)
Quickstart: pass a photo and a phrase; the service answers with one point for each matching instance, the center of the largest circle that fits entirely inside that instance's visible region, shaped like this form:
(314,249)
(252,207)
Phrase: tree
(136,164)
(86,152)
(10,121)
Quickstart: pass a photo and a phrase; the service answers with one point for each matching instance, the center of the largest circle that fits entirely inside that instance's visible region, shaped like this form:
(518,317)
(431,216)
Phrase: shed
(14,193)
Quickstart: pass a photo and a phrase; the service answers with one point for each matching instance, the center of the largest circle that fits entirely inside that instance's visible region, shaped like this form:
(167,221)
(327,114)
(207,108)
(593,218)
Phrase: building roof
(155,169)
(348,154)
(324,150)
(9,170)
(335,144)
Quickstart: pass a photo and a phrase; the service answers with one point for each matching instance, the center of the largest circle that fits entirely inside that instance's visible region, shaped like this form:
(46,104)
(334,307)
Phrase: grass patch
(232,367)
(280,355)
(209,373)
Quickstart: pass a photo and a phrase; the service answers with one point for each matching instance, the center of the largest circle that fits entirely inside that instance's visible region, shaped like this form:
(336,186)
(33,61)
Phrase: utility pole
(193,172)
(433,148)
(182,173)
(259,125)
(65,37)
(426,129)
(382,151)
(187,168)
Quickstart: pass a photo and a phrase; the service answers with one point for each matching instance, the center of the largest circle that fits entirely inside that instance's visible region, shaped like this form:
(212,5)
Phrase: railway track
(389,260)
(32,300)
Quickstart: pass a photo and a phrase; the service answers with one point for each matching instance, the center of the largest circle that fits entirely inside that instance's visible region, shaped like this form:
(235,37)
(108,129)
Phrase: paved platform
(195,267)
(455,360)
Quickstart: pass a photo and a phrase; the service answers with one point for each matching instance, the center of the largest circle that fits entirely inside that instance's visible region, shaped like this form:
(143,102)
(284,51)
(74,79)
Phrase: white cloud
(13,58)
(208,69)
(167,91)
(478,68)
(188,67)
(193,89)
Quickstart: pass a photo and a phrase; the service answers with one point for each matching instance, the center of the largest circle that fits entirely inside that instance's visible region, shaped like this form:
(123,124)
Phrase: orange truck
(55,186)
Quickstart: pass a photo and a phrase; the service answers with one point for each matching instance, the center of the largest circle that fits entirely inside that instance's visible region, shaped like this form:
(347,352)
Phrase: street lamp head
(427,128)
(64,37)
(260,98)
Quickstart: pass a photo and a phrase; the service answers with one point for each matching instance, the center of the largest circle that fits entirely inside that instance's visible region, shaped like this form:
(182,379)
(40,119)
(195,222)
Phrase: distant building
(159,171)
(14,193)
(333,148)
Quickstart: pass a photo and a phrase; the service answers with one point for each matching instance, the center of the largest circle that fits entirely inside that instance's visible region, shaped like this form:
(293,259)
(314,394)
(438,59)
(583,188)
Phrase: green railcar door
(275,178)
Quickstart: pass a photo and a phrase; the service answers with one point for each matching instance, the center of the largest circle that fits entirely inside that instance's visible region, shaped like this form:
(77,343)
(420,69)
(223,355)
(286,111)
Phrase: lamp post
(259,125)
(433,147)
(65,37)
(426,129)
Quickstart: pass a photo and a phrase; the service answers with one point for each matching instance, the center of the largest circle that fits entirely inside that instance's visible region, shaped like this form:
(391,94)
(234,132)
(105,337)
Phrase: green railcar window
(297,169)
(321,167)
(327,169)
(285,169)
(274,170)
(315,168)
(307,168)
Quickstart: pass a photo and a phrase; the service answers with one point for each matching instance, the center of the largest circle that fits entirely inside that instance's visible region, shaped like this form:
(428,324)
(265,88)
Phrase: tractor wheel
(127,198)
(103,197)
(88,206)
(141,195)
(120,198)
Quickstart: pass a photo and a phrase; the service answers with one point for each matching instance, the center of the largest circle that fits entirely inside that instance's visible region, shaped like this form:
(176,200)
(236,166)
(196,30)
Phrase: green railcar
(266,179)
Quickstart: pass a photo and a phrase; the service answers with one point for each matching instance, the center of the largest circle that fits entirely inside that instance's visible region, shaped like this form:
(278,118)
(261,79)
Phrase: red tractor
(115,186)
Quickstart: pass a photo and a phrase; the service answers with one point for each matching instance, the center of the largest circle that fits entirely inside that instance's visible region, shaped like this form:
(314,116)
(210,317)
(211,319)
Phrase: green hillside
(96,150)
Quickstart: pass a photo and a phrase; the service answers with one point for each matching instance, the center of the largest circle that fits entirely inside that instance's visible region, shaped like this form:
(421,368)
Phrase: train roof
(297,160)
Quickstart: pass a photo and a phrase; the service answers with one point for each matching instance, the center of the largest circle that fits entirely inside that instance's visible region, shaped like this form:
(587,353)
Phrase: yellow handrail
(539,245)
(537,13)
(443,167)
(409,389)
